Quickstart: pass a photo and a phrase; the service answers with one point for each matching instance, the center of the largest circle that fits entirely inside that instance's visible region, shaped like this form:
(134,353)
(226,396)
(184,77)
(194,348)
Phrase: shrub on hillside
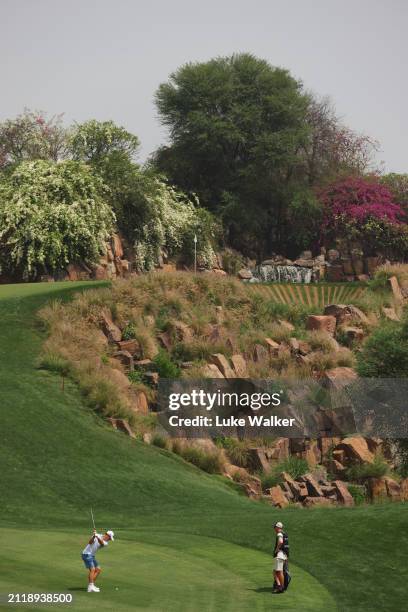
(54,363)
(384,272)
(270,479)
(357,494)
(237,450)
(165,367)
(385,352)
(361,471)
(294,466)
(211,462)
(159,441)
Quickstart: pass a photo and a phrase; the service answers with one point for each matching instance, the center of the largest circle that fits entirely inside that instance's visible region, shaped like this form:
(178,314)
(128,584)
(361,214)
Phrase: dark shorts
(90,561)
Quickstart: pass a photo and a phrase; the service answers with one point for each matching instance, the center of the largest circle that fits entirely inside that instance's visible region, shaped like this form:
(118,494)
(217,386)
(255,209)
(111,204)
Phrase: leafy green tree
(51,214)
(110,150)
(236,126)
(93,141)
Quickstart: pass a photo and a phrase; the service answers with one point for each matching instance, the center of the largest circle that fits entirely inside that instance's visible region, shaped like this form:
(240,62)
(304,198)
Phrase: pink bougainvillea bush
(364,210)
(358,199)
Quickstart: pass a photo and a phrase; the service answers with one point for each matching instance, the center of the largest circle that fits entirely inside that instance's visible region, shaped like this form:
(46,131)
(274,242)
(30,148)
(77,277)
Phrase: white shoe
(96,589)
(92,588)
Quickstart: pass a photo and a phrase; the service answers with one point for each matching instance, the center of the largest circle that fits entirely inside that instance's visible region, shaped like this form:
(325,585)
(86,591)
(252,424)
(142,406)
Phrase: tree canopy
(31,136)
(252,144)
(51,215)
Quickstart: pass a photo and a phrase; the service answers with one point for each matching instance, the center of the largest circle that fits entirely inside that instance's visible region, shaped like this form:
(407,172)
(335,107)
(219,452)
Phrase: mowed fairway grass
(185,540)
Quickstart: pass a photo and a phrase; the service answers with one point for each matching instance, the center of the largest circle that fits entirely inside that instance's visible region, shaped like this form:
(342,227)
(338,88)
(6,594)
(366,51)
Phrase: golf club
(93,520)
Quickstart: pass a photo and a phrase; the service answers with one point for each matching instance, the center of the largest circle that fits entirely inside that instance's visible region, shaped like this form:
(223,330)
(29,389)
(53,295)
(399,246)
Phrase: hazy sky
(105,58)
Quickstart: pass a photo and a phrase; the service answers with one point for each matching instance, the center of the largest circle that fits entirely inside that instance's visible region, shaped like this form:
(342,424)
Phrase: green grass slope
(186,540)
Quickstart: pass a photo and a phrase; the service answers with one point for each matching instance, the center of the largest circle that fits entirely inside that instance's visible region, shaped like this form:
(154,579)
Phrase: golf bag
(286,576)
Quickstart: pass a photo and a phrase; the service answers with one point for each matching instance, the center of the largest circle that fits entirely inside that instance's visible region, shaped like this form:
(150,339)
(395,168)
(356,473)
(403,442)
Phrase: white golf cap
(278,524)
(111,535)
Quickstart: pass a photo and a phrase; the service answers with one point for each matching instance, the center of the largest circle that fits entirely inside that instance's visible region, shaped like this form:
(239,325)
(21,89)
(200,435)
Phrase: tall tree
(331,147)
(236,125)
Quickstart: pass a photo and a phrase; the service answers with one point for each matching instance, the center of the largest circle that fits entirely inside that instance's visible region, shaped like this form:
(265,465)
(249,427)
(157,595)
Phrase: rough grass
(222,315)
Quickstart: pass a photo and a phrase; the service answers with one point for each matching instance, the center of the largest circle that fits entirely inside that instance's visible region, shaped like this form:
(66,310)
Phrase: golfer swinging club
(96,542)
(281,554)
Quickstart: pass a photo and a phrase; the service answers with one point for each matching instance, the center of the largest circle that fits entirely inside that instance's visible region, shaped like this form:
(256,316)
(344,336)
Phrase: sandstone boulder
(260,353)
(310,502)
(279,451)
(292,485)
(313,488)
(377,489)
(358,315)
(294,345)
(272,347)
(337,378)
(110,329)
(389,313)
(324,323)
(258,459)
(239,366)
(132,346)
(182,331)
(404,489)
(126,360)
(337,468)
(143,364)
(140,403)
(356,450)
(327,445)
(342,493)
(340,311)
(165,340)
(277,497)
(123,426)
(245,274)
(101,273)
(219,360)
(210,370)
(287,491)
(396,289)
(393,489)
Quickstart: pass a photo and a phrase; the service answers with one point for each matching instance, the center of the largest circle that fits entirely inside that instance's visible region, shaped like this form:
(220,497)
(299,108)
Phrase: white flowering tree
(51,214)
(173,220)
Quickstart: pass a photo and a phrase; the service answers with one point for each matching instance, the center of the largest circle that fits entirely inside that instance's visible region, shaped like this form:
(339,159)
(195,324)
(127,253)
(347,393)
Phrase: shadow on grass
(77,589)
(268,589)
